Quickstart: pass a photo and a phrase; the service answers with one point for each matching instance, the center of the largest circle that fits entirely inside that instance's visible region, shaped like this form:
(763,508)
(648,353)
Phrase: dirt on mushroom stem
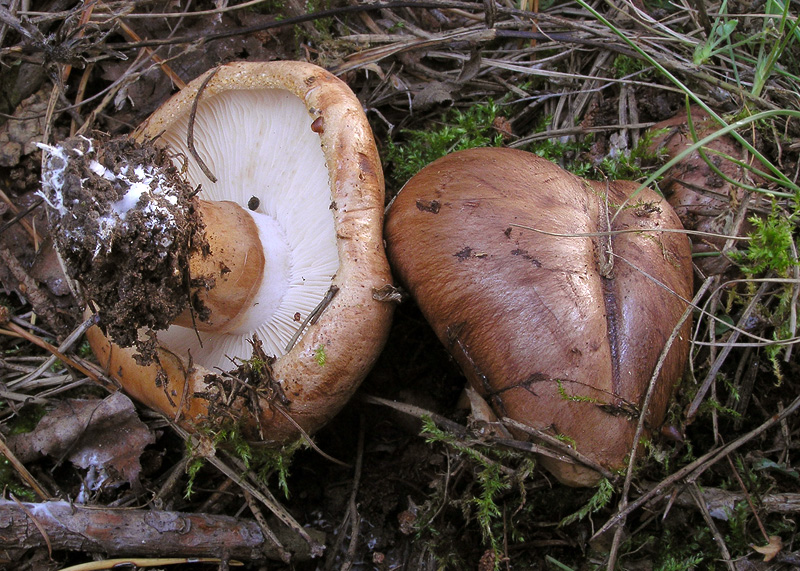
(125,223)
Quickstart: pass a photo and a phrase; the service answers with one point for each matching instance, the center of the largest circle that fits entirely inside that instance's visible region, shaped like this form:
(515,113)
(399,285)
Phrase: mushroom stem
(226,278)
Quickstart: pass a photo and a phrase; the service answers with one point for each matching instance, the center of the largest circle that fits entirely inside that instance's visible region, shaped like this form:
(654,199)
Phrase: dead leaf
(47,269)
(17,137)
(480,409)
(435,93)
(771,549)
(471,67)
(503,126)
(104,436)
(483,416)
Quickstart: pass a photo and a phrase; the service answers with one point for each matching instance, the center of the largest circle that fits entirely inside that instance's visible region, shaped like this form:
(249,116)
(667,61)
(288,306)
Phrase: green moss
(483,501)
(192,469)
(319,355)
(562,392)
(568,153)
(456,130)
(26,419)
(10,483)
(601,498)
(625,66)
(770,246)
(263,460)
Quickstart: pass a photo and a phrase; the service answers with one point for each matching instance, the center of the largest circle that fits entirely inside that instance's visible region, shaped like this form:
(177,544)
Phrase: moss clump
(457,130)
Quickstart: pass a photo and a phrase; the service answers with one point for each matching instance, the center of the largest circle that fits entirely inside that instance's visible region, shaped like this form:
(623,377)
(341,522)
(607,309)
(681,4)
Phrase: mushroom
(284,260)
(703,199)
(555,322)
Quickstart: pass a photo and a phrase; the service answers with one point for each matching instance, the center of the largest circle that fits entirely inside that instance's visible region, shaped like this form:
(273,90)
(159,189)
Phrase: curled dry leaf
(704,200)
(104,436)
(17,136)
(771,549)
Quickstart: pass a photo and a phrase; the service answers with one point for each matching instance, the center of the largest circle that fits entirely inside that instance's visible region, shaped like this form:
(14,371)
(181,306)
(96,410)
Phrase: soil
(125,224)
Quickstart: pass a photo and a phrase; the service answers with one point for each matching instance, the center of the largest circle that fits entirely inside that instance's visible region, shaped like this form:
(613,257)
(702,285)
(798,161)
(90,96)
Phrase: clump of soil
(252,381)
(124,223)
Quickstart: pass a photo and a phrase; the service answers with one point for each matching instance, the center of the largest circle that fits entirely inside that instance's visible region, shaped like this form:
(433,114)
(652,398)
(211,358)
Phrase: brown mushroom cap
(325,364)
(536,328)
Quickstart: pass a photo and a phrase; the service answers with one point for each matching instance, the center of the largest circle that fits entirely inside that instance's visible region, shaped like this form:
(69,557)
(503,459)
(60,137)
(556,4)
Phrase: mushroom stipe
(543,326)
(296,212)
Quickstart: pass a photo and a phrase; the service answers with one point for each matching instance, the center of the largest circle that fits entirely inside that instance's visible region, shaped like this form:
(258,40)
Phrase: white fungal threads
(53,169)
(146,181)
(144,188)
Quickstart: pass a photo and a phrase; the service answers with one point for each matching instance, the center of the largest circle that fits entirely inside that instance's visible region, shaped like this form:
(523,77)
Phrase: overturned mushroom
(276,276)
(556,322)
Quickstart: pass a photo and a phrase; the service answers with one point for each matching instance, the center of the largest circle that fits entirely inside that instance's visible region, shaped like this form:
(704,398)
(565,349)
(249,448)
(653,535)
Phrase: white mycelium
(53,171)
(134,182)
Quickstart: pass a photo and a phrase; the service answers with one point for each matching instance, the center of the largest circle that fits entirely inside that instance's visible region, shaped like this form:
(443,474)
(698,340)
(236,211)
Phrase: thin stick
(134,533)
(749,499)
(37,524)
(266,530)
(146,562)
(19,216)
(22,470)
(307,437)
(100,15)
(355,520)
(85,76)
(458,430)
(39,300)
(630,231)
(263,495)
(190,128)
(694,406)
(793,305)
(296,20)
(65,346)
(176,79)
(562,447)
(697,495)
(706,313)
(276,406)
(46,346)
(314,316)
(694,470)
